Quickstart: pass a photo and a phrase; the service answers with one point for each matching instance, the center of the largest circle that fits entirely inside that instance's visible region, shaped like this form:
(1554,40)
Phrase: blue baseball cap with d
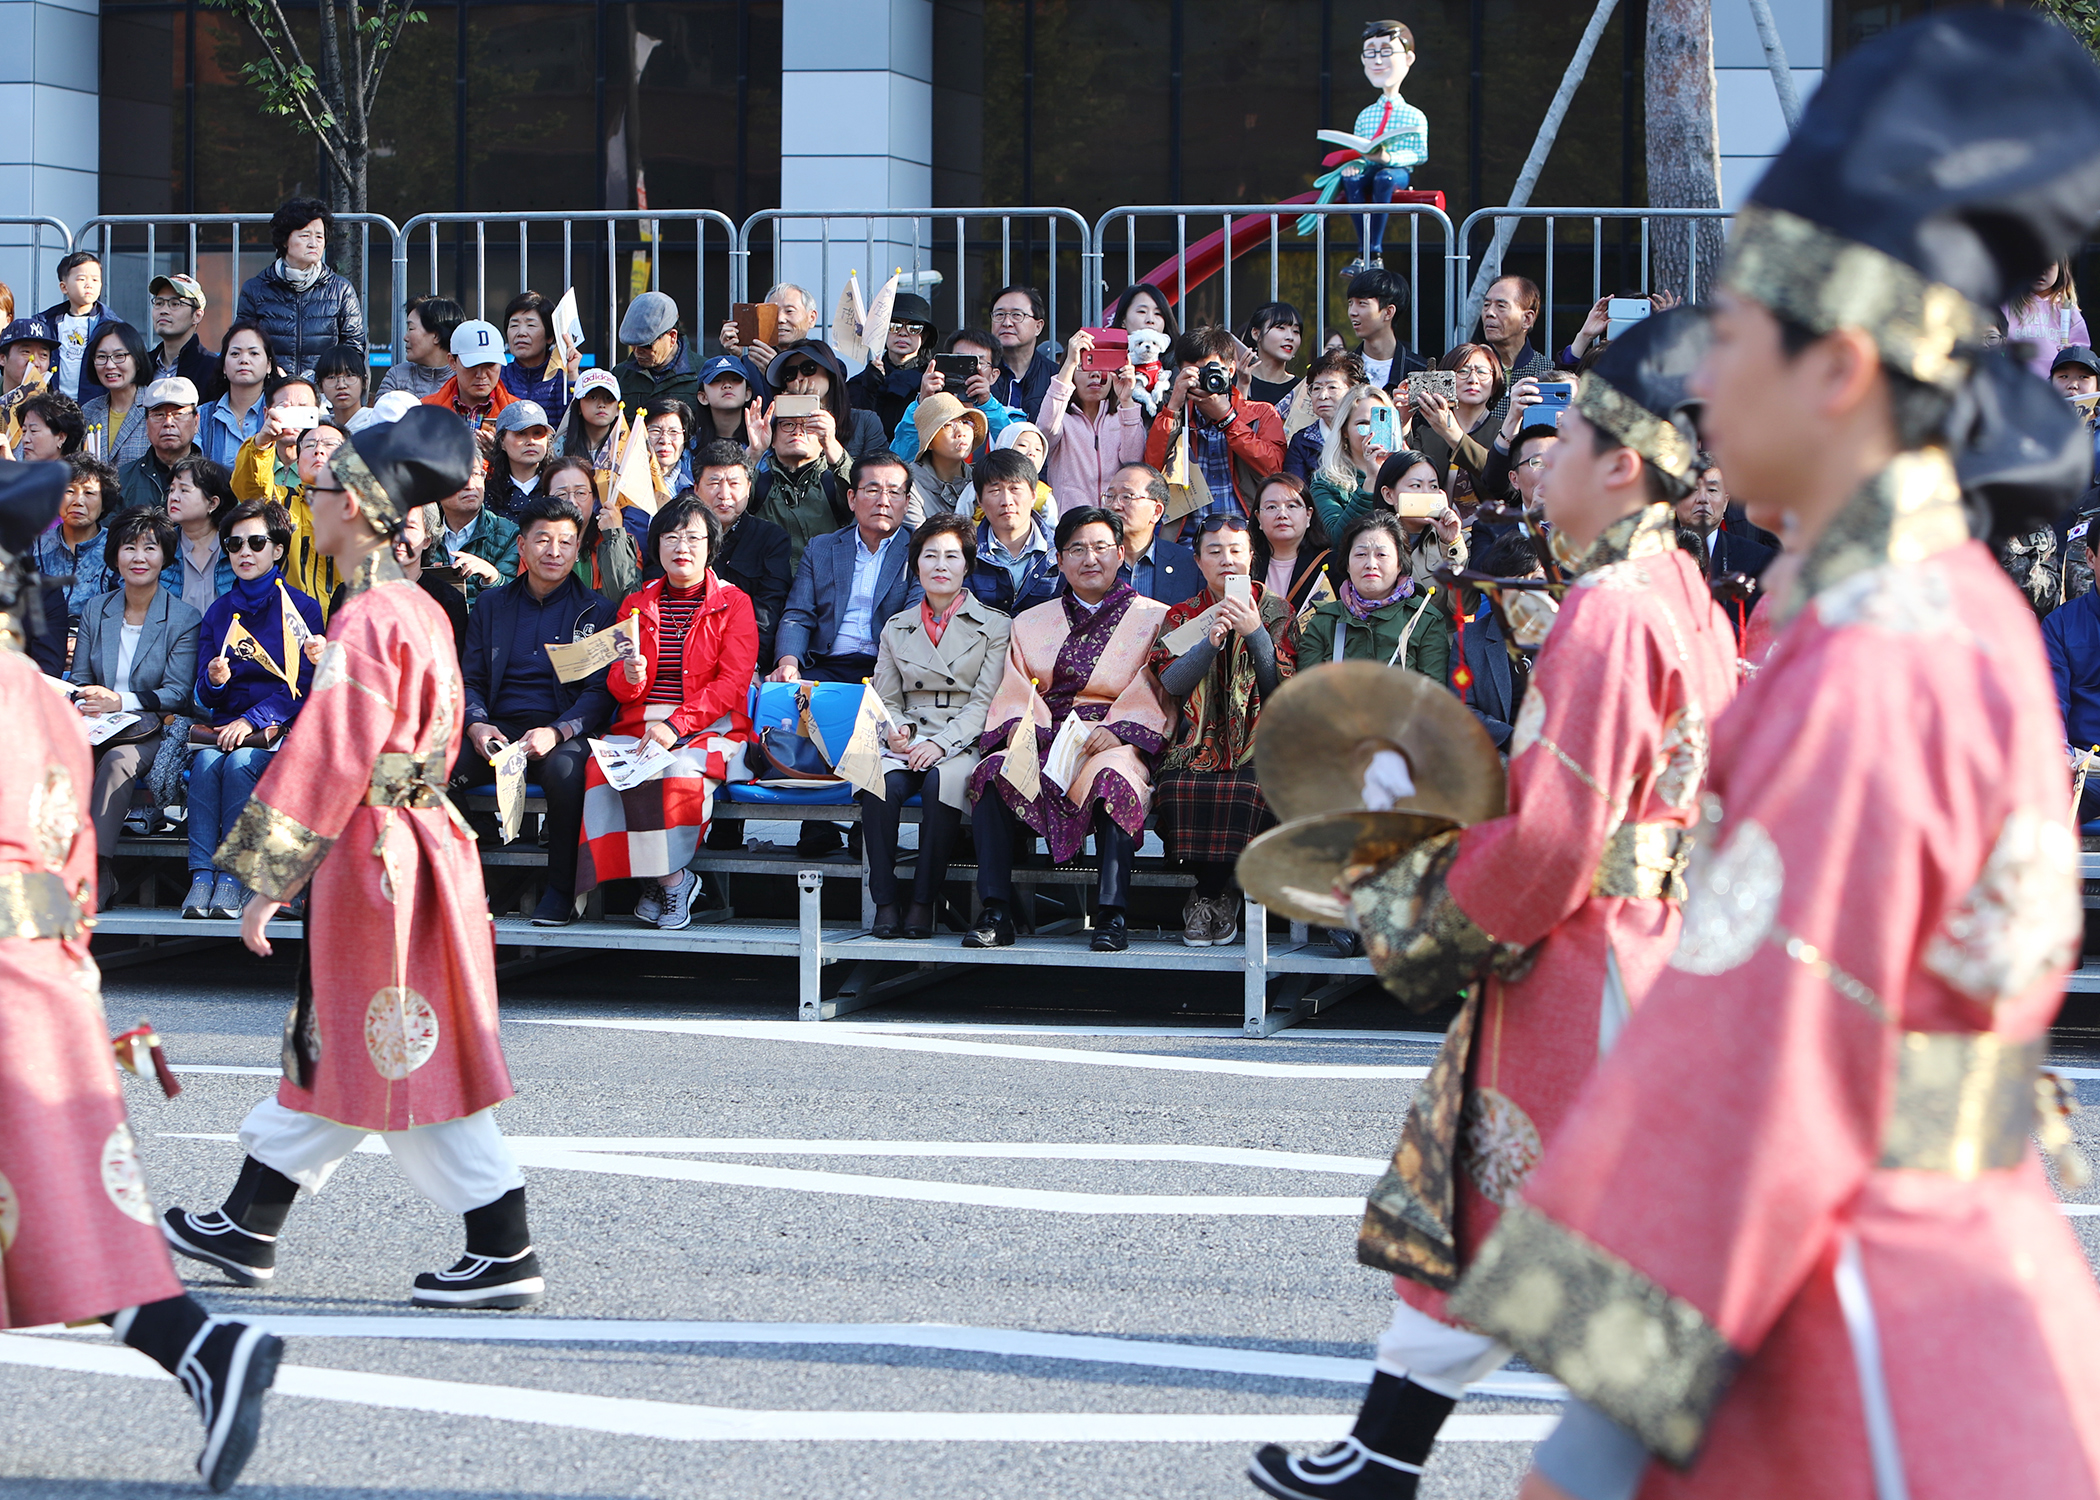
(725,364)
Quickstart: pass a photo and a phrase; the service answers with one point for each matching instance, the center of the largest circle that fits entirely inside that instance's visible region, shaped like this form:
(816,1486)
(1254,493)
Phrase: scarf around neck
(301,280)
(1361,608)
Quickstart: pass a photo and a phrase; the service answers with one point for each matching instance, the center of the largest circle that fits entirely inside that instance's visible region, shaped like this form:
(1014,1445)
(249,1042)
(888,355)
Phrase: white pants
(456,1164)
(1435,1355)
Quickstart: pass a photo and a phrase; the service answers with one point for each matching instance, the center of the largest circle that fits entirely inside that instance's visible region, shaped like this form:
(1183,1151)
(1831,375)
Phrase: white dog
(1146,347)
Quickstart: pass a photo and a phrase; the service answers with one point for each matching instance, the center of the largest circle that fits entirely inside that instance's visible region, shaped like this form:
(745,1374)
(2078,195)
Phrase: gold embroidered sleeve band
(270,853)
(1409,1218)
(1424,948)
(1824,282)
(1648,1360)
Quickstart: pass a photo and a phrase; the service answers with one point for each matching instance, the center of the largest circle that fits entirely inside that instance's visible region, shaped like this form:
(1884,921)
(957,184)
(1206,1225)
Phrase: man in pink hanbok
(77,1239)
(1794,1237)
(1078,661)
(395,1027)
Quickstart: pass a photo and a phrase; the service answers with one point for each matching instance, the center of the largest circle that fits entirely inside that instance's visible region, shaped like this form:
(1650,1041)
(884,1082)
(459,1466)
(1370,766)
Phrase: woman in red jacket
(684,691)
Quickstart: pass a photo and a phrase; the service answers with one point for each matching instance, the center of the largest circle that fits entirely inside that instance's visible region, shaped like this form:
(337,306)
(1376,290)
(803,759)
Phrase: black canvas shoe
(1111,934)
(482,1281)
(1347,1471)
(226,1369)
(248,1259)
(994,929)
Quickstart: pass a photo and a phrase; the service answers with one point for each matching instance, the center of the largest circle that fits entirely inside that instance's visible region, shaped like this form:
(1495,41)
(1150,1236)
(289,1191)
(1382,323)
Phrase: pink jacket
(1084,454)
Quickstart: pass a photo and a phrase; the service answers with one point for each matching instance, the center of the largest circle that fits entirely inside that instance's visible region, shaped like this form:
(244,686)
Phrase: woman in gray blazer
(136,653)
(937,665)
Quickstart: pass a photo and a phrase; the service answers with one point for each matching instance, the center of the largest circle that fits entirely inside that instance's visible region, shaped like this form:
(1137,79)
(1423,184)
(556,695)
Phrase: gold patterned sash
(1965,1103)
(1645,861)
(36,904)
(403,780)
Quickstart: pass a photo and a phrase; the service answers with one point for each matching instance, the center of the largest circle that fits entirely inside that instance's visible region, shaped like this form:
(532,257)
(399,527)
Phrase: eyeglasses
(1010,314)
(1078,550)
(1278,507)
(169,304)
(886,491)
(685,538)
(251,543)
(792,426)
(1533,464)
(1126,495)
(169,416)
(1381,54)
(113,359)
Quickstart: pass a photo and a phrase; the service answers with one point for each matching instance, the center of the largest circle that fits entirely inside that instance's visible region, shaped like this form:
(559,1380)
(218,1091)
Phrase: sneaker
(481,1281)
(1347,1471)
(994,929)
(1345,943)
(248,1259)
(1197,919)
(554,910)
(1224,919)
(227,898)
(678,905)
(226,1369)
(650,904)
(198,902)
(1111,934)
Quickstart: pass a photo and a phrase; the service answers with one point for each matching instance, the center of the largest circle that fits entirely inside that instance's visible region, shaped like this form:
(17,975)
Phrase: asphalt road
(1105,1254)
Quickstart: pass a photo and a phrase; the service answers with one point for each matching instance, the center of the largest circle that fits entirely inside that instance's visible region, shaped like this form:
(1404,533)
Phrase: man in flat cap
(658,364)
(1795,1238)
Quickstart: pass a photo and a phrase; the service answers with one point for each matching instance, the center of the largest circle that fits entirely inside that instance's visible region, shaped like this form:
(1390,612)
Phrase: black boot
(1381,1459)
(225,1366)
(499,1269)
(240,1237)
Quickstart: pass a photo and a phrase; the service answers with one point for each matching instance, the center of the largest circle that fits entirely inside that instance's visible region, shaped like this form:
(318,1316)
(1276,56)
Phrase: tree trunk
(1684,160)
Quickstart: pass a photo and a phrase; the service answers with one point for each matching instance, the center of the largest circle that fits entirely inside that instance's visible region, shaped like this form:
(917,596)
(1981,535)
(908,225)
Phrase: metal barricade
(26,302)
(1245,236)
(105,234)
(648,240)
(1065,234)
(1637,275)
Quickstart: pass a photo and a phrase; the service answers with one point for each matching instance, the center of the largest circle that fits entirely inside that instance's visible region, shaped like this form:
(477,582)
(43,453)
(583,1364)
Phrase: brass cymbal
(1292,869)
(1317,736)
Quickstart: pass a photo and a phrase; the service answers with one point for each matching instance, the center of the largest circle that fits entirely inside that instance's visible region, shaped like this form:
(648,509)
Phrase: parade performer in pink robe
(395,1029)
(1083,655)
(1565,909)
(1794,1238)
(77,1236)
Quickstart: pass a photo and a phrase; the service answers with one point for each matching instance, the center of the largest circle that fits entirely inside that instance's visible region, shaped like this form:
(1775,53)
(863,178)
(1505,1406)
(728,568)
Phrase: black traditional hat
(396,466)
(2028,458)
(30,494)
(1939,169)
(1639,392)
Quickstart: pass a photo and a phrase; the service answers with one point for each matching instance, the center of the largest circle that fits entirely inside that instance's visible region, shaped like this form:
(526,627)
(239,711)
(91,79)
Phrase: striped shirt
(675,613)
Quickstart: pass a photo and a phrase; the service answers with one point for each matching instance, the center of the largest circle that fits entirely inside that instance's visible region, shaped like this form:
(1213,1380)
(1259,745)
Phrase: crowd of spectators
(1020,540)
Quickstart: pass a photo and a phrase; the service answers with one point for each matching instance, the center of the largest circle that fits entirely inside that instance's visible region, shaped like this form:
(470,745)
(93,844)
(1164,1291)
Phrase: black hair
(134,345)
(342,359)
(669,406)
(277,383)
(1004,466)
(1460,353)
(1372,520)
(1920,411)
(674,514)
(1395,468)
(134,520)
(1386,288)
(61,413)
(1269,315)
(1524,435)
(720,453)
(1069,523)
(547,508)
(945,524)
(1036,307)
(210,478)
(975,336)
(532,302)
(1392,29)
(219,383)
(276,521)
(86,466)
(440,317)
(293,215)
(1315,538)
(1155,482)
(76,258)
(867,463)
(1121,302)
(1661,488)
(1513,555)
(1210,343)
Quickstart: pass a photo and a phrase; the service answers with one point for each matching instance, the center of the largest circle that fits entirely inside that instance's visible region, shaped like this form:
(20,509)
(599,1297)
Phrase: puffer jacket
(301,325)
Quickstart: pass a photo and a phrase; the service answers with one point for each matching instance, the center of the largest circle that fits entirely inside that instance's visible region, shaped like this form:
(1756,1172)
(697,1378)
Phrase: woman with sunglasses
(811,369)
(1205,798)
(246,672)
(119,363)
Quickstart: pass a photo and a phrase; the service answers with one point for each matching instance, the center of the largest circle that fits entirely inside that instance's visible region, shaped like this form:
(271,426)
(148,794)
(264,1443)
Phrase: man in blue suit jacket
(850,582)
(1158,567)
(2071,636)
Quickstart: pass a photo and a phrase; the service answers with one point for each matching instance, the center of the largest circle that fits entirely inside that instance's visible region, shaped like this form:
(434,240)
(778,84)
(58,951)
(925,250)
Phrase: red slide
(1206,258)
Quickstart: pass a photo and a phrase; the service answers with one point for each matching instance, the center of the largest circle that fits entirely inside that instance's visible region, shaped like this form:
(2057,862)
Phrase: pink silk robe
(77,1232)
(1888,867)
(1061,660)
(1613,730)
(400,948)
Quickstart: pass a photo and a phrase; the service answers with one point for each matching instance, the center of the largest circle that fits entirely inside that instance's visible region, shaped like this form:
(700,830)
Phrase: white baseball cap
(477,343)
(597,380)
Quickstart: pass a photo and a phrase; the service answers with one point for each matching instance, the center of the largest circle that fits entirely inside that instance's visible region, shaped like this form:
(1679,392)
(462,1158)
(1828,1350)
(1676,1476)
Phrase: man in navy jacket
(2071,636)
(1157,566)
(849,582)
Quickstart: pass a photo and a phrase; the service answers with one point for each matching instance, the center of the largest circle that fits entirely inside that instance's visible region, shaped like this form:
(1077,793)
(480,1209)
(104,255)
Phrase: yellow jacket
(257,476)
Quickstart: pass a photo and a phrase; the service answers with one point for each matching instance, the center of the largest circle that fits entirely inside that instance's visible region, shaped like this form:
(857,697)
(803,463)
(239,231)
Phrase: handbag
(791,751)
(204,734)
